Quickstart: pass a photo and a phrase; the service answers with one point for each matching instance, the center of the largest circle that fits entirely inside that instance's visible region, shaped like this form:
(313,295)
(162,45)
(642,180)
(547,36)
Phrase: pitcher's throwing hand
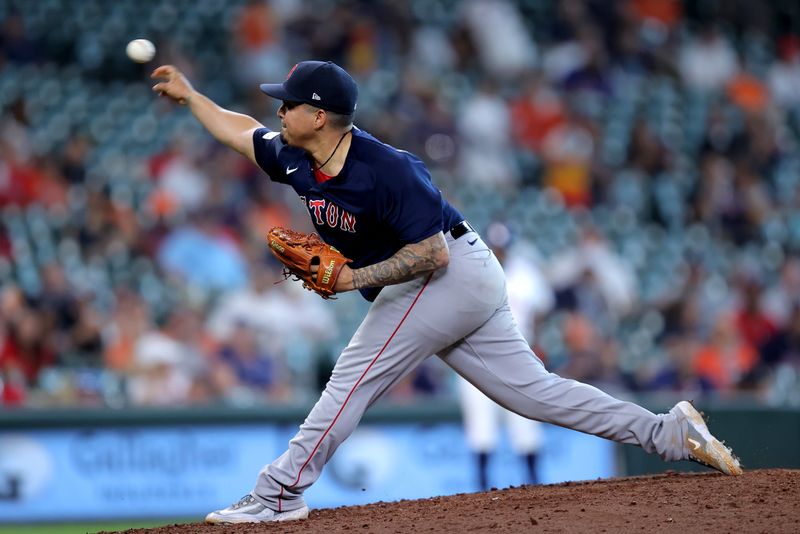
(175,84)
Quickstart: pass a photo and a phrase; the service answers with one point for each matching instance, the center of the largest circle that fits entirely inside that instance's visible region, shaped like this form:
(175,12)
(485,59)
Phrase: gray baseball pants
(461,314)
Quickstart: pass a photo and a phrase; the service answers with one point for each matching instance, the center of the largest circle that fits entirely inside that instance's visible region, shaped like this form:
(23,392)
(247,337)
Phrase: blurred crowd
(635,165)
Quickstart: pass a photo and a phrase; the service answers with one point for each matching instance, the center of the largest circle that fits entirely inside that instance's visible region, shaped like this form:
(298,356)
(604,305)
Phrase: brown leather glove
(299,252)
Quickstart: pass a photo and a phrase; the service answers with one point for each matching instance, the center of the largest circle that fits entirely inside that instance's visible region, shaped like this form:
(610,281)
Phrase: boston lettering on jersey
(330,214)
(380,201)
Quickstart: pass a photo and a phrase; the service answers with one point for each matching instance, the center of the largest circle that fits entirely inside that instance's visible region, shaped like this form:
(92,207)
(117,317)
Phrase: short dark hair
(339,120)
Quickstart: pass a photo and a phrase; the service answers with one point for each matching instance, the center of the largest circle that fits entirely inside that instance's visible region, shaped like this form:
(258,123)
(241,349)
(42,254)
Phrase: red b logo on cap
(291,71)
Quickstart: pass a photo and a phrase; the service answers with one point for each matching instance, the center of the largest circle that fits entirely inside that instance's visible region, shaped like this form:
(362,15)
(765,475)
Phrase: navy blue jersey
(382,199)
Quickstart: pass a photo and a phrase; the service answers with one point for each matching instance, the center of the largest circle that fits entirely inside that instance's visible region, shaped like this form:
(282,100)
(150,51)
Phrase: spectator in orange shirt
(568,151)
(726,358)
(752,323)
(536,111)
(747,91)
(667,13)
(129,321)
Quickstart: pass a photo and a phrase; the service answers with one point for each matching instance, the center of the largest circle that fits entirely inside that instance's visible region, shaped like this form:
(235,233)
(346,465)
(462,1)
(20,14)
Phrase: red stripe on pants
(361,378)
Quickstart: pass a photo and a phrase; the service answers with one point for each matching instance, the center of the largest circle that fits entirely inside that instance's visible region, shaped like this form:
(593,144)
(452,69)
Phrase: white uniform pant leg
(406,324)
(525,434)
(499,362)
(366,369)
(484,421)
(481,417)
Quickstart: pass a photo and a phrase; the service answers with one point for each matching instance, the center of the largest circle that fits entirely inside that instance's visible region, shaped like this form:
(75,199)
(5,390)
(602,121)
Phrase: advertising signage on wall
(185,472)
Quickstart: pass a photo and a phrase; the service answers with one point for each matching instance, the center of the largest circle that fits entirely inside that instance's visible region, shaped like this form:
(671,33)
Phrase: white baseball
(140,50)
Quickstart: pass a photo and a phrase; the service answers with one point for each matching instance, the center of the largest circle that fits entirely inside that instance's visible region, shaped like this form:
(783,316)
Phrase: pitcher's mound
(758,501)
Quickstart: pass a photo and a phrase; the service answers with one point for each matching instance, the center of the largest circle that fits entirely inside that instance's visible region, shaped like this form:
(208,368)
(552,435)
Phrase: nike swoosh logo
(694,443)
(473,241)
(290,171)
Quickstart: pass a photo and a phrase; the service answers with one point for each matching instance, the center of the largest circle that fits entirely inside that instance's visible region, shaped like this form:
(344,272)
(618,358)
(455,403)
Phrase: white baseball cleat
(249,510)
(703,447)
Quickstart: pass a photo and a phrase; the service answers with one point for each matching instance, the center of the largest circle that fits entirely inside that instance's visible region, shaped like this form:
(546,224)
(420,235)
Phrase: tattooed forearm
(409,262)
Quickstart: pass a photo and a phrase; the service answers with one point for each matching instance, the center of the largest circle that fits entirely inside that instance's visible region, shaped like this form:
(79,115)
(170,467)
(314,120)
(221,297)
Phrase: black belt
(460,229)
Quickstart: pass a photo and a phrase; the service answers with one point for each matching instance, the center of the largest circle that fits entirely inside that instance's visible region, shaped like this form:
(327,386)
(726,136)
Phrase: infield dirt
(758,501)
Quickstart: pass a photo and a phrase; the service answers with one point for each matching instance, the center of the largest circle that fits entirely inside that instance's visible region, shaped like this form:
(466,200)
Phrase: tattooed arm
(409,262)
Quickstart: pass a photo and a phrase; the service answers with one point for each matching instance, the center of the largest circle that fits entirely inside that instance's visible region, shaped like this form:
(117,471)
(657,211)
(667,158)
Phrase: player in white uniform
(529,296)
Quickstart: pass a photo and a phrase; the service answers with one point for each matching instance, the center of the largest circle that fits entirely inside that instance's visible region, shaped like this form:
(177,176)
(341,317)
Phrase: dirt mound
(758,501)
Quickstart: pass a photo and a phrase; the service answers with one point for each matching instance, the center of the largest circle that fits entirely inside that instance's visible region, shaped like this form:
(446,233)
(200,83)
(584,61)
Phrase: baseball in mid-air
(140,50)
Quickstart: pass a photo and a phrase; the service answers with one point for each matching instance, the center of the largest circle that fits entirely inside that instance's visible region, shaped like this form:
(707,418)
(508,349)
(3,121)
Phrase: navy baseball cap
(321,84)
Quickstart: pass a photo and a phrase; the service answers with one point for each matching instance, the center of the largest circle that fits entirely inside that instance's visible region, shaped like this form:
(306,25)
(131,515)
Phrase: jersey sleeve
(267,146)
(412,206)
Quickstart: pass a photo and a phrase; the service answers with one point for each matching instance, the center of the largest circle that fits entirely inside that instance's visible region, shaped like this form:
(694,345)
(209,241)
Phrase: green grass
(82,528)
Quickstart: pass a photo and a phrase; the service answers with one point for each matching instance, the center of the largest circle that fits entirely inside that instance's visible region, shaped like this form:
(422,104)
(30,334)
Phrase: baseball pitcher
(435,288)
